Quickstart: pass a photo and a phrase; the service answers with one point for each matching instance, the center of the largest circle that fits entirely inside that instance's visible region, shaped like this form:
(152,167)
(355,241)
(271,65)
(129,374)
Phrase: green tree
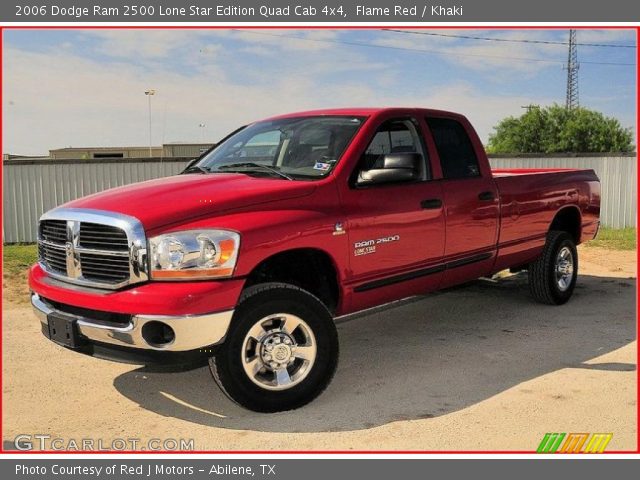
(555,129)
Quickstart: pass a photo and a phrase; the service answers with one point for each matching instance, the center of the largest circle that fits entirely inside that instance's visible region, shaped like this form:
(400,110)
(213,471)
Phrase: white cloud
(143,44)
(62,100)
(289,39)
(619,36)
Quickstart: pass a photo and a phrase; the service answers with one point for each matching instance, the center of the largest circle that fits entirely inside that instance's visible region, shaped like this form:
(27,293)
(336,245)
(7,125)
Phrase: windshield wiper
(196,169)
(251,166)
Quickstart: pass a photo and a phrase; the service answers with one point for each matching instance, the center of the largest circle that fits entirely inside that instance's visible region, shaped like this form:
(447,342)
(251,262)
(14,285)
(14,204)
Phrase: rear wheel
(281,350)
(552,277)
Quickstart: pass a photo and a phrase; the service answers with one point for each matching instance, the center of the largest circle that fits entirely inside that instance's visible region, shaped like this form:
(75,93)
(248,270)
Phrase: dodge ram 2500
(246,258)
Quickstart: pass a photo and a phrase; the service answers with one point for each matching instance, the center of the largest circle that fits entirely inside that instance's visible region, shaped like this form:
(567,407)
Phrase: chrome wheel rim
(279,351)
(564,268)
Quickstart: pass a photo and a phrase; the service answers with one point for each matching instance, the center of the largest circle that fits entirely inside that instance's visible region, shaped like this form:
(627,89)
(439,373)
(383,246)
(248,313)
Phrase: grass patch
(615,239)
(18,258)
(16,262)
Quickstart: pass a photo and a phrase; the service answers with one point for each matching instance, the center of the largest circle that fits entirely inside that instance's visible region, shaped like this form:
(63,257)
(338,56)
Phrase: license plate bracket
(63,330)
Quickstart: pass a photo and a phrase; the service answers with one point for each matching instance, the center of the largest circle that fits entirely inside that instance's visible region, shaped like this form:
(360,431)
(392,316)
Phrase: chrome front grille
(92,248)
(103,237)
(53,256)
(104,268)
(54,231)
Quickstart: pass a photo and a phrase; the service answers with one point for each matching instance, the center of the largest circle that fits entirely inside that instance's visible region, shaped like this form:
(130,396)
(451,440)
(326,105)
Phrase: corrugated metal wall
(32,187)
(617,175)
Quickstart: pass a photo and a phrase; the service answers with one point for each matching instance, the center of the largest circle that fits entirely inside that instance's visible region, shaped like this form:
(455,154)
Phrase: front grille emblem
(73,257)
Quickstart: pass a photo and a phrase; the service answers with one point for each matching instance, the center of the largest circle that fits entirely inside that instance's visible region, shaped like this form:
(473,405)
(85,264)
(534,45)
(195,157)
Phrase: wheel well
(307,268)
(568,220)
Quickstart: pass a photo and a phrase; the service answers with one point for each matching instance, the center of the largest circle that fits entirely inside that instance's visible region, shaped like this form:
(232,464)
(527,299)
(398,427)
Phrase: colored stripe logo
(574,442)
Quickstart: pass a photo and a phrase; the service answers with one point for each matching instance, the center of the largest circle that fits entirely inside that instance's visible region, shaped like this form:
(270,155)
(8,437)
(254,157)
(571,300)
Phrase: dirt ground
(475,368)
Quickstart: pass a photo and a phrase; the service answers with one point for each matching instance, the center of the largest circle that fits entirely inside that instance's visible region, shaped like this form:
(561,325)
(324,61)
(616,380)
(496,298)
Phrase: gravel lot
(474,368)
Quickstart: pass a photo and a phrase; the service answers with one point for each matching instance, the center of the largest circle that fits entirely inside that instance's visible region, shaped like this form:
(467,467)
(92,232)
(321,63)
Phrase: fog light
(158,334)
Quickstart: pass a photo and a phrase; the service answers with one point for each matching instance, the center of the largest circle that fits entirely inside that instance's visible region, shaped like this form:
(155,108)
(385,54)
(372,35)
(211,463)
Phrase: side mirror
(396,167)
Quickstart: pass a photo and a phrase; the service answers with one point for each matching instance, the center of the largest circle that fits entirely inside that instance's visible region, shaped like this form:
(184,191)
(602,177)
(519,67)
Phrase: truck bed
(530,199)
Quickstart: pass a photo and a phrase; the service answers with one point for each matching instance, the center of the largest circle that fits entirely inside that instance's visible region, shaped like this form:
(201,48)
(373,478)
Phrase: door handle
(485,196)
(431,203)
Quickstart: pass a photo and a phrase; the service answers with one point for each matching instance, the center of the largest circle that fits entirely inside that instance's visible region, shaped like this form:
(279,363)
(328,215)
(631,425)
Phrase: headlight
(194,254)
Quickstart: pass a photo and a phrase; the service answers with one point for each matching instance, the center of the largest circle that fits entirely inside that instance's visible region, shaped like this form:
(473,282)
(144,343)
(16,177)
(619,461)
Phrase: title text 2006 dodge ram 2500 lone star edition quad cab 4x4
(249,254)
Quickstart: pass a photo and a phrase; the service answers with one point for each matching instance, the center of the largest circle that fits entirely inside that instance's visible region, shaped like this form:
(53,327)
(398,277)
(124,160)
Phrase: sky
(79,88)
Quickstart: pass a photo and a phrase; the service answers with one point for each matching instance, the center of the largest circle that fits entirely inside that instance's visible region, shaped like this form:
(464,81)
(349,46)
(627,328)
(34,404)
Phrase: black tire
(543,283)
(256,303)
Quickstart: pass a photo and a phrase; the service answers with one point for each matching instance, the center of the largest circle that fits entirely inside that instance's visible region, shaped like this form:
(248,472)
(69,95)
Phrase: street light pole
(149,93)
(202,126)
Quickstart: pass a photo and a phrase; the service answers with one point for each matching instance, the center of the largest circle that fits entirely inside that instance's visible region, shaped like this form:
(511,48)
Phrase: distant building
(185,149)
(104,152)
(9,156)
(164,151)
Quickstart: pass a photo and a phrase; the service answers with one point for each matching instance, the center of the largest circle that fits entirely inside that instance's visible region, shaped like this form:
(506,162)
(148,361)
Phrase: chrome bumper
(191,331)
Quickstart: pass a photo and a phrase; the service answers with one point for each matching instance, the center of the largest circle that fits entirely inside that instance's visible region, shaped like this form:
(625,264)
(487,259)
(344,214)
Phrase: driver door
(396,230)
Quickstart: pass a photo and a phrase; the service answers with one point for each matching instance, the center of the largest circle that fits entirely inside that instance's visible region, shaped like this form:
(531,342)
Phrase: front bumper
(191,332)
(150,298)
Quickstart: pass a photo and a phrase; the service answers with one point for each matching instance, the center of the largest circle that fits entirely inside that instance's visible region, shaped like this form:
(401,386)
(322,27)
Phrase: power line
(510,40)
(424,51)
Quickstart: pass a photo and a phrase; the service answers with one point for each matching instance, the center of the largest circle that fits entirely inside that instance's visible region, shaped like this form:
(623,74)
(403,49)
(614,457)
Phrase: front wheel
(552,277)
(281,350)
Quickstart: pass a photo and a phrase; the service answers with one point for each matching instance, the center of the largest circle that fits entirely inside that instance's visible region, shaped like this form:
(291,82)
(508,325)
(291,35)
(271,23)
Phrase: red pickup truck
(246,258)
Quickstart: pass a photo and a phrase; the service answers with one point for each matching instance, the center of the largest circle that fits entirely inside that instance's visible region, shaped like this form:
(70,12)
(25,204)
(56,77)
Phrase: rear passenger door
(470,198)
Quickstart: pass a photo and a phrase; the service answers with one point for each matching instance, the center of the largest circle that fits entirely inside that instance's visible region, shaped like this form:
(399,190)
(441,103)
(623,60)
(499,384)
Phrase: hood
(166,201)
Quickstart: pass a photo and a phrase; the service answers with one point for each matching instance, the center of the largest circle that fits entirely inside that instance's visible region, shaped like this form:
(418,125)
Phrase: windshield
(293,148)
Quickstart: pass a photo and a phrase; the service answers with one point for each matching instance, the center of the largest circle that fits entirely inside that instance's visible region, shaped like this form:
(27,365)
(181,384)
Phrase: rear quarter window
(457,156)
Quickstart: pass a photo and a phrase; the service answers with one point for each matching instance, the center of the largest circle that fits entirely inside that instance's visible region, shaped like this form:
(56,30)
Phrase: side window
(394,136)
(457,155)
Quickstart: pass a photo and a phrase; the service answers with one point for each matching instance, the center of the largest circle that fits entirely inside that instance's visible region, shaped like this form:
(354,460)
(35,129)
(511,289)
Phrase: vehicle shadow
(423,359)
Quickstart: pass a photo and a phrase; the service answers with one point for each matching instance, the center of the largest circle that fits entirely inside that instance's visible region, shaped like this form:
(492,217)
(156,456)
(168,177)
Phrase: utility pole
(572,100)
(149,93)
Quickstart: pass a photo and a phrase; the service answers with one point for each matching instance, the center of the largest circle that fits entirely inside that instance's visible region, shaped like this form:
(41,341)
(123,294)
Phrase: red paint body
(273,216)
